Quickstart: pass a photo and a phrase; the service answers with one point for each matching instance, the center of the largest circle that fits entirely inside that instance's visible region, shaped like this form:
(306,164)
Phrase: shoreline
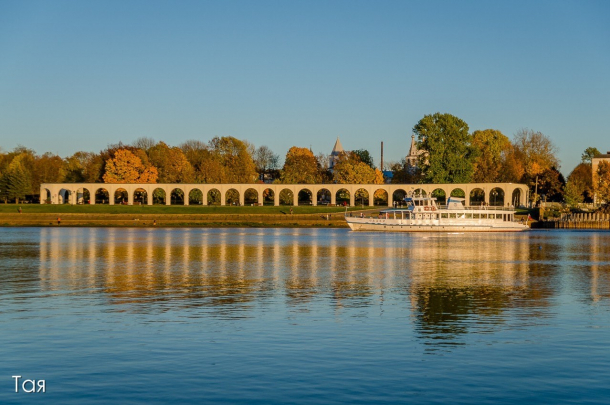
(331,220)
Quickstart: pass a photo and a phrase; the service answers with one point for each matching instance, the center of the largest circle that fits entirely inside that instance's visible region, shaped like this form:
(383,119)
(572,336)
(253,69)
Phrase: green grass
(164,209)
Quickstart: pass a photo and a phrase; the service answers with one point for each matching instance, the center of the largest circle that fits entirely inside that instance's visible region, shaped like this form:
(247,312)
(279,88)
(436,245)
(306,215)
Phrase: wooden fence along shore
(577,221)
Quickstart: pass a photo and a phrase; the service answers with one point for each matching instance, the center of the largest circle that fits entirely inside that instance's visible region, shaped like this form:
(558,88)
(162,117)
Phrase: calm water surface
(304,316)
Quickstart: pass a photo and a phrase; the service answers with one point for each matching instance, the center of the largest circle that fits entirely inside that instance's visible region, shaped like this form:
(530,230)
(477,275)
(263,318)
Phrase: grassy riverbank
(167,209)
(172,216)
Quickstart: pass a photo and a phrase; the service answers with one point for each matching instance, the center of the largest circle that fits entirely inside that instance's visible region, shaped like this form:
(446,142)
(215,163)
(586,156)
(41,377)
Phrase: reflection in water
(451,284)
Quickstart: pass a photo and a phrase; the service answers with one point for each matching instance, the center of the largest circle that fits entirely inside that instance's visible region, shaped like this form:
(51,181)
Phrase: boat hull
(357,224)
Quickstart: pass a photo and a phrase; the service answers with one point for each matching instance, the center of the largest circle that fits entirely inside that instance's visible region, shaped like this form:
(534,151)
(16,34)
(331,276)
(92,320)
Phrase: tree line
(452,155)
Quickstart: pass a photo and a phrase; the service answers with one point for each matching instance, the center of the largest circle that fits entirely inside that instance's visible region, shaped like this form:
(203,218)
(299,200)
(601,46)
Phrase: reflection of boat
(421,214)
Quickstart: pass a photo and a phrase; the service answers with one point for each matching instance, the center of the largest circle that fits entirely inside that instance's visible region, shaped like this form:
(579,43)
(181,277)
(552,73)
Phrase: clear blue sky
(79,75)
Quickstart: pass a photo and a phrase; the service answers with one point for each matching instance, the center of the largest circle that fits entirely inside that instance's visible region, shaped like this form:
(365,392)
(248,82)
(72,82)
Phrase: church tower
(334,155)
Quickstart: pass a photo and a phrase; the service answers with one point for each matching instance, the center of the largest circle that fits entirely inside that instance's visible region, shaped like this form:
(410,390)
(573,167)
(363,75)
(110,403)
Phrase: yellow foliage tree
(126,167)
(300,167)
(172,164)
(602,181)
(491,146)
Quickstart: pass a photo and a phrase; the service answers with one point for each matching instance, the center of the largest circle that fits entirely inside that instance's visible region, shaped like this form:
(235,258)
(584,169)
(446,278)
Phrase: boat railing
(477,208)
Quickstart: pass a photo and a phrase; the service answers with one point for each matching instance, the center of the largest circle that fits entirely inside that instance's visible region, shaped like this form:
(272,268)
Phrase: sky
(80,75)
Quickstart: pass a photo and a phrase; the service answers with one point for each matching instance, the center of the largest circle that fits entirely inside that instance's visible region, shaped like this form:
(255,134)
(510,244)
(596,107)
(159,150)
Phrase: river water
(304,316)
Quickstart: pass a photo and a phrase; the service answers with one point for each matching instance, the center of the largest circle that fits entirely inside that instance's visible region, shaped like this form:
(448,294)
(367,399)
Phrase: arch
(140,196)
(64,196)
(343,196)
(496,197)
(305,197)
(268,197)
(457,192)
(176,196)
(45,196)
(101,196)
(419,192)
(214,197)
(286,197)
(477,197)
(380,197)
(195,196)
(83,196)
(251,197)
(398,196)
(440,195)
(323,196)
(361,197)
(232,197)
(159,196)
(121,196)
(516,198)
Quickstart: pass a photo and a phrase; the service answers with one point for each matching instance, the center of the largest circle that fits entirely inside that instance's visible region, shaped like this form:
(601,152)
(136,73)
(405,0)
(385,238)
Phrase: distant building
(594,165)
(413,157)
(335,154)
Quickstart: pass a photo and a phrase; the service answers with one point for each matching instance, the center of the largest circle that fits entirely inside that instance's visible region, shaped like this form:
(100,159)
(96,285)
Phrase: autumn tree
(351,169)
(551,184)
(47,168)
(491,146)
(449,153)
(126,167)
(144,143)
(235,157)
(265,161)
(512,166)
(197,153)
(300,167)
(171,163)
(402,173)
(81,167)
(536,152)
(602,182)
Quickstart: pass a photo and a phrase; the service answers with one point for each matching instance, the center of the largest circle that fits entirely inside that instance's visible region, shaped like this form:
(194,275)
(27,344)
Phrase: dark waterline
(304,316)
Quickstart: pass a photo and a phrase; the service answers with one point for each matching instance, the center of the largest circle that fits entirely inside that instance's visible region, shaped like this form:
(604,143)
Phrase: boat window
(444,215)
(476,215)
(452,215)
(468,215)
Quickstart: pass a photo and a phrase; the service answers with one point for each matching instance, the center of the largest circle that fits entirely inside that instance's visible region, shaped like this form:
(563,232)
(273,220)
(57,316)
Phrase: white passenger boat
(422,214)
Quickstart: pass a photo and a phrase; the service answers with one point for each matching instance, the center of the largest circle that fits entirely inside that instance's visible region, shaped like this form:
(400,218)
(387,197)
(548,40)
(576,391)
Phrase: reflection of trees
(455,284)
(469,283)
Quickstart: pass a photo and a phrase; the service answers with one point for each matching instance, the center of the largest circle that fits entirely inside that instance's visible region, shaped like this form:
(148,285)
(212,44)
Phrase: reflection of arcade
(455,283)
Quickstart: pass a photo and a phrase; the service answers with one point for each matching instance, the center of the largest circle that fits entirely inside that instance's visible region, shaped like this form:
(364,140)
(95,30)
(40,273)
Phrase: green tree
(15,182)
(492,147)
(589,154)
(581,180)
(365,157)
(449,153)
(572,195)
